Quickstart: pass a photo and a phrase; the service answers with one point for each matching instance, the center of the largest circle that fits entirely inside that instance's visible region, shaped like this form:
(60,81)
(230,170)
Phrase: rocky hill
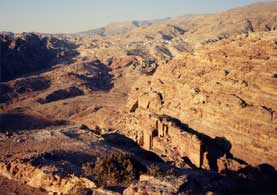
(163,39)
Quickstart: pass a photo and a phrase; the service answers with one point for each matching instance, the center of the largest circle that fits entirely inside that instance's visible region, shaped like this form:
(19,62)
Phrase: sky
(68,16)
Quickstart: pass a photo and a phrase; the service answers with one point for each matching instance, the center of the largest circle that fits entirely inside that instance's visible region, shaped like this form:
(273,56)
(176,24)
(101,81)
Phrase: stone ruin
(162,133)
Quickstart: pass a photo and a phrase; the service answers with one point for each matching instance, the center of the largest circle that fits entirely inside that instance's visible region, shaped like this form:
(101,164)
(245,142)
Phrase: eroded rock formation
(226,90)
(38,178)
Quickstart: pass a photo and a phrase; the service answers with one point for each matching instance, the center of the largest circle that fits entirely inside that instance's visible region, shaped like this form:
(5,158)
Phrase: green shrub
(113,169)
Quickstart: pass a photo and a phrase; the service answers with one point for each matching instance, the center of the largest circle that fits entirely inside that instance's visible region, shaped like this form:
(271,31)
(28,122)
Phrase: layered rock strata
(225,90)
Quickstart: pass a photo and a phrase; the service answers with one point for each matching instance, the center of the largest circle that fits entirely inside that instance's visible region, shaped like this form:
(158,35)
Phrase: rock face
(26,53)
(53,159)
(38,178)
(224,90)
(168,137)
(15,187)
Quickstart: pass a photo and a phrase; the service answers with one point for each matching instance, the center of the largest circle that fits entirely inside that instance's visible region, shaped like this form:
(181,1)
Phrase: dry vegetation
(113,169)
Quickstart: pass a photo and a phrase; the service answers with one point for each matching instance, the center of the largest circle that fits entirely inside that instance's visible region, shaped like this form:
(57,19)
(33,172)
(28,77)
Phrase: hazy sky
(80,15)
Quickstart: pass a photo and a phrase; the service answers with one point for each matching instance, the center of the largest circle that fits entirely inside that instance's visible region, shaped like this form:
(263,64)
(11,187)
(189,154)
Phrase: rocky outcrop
(226,90)
(20,87)
(16,187)
(190,182)
(156,186)
(54,159)
(38,178)
(31,84)
(61,94)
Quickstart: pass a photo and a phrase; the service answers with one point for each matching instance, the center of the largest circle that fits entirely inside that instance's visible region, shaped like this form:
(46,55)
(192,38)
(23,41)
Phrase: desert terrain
(183,105)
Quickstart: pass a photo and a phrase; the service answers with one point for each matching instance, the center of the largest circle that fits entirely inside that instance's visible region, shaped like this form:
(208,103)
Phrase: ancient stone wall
(159,127)
(187,144)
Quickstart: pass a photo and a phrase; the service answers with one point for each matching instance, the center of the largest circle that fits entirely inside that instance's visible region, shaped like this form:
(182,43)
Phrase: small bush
(156,171)
(88,169)
(113,169)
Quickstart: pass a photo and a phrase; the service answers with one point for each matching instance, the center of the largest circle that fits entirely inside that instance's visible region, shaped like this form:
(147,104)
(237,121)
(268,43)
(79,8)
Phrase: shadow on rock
(10,91)
(10,122)
(29,53)
(255,180)
(99,78)
(214,148)
(63,162)
(124,143)
(61,94)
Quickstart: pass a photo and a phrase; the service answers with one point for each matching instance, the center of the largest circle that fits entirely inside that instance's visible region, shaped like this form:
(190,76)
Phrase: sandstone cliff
(227,90)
